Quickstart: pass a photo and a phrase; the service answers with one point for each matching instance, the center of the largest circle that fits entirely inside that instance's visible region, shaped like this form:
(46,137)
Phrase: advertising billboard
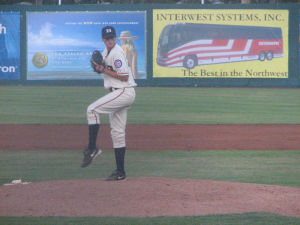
(299,44)
(60,44)
(235,43)
(9,45)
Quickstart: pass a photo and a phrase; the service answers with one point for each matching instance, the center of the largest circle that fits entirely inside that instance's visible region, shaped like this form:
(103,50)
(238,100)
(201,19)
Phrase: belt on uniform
(113,89)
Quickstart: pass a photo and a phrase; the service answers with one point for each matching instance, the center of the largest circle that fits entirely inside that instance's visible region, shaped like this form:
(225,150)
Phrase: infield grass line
(153,105)
(253,218)
(261,167)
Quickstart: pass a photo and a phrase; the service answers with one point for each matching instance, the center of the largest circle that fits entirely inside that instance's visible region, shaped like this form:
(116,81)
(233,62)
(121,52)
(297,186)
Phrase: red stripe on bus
(237,46)
(203,58)
(215,43)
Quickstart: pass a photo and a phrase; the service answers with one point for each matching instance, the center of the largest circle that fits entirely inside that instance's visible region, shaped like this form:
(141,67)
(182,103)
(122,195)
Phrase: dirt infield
(146,197)
(154,137)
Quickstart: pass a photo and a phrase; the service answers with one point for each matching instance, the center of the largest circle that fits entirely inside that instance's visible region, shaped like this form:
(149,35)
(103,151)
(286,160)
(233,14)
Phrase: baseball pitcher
(118,79)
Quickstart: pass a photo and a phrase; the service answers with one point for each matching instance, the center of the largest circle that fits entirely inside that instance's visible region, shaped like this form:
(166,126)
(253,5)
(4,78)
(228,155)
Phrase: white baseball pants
(115,104)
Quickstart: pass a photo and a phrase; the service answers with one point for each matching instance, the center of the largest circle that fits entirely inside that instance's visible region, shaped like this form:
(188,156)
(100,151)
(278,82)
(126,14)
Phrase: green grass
(234,219)
(67,105)
(262,167)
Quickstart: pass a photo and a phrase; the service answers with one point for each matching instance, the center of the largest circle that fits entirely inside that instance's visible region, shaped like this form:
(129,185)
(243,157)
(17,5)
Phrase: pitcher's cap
(108,32)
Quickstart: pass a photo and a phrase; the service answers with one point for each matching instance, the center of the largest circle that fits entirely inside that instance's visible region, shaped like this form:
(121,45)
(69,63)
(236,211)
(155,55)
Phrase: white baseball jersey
(117,102)
(116,61)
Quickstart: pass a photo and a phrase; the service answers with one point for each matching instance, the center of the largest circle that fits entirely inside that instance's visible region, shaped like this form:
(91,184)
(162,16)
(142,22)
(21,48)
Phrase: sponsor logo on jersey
(40,60)
(118,63)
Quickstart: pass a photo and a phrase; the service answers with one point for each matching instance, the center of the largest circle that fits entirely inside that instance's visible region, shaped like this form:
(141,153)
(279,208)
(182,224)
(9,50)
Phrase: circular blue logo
(118,63)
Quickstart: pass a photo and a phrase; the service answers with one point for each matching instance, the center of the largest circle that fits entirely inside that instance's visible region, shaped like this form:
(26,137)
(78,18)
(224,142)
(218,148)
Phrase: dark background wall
(292,81)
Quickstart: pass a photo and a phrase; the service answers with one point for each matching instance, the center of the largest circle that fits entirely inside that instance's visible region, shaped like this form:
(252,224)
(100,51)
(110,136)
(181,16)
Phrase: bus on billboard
(192,44)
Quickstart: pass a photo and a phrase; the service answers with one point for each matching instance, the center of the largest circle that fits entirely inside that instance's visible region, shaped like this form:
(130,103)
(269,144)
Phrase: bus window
(164,41)
(164,37)
(175,38)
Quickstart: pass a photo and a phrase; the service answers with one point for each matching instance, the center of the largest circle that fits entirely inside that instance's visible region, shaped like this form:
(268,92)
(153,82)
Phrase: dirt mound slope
(146,197)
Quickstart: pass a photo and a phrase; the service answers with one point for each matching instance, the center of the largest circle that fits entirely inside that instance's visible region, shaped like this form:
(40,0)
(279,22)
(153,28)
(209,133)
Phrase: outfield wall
(233,45)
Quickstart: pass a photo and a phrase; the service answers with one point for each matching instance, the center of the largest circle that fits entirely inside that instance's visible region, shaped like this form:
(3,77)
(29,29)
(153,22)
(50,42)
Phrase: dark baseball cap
(108,32)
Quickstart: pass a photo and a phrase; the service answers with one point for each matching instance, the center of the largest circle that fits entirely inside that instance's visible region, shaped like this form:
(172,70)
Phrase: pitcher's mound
(145,197)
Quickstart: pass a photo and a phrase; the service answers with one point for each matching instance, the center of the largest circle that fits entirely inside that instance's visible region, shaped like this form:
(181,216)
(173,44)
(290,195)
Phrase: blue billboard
(10,45)
(60,44)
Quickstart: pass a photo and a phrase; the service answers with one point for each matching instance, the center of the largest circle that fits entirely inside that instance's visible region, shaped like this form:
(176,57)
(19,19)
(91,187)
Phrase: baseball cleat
(89,155)
(116,175)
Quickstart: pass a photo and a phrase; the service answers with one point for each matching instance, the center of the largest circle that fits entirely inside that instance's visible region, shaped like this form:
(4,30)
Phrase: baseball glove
(97,61)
